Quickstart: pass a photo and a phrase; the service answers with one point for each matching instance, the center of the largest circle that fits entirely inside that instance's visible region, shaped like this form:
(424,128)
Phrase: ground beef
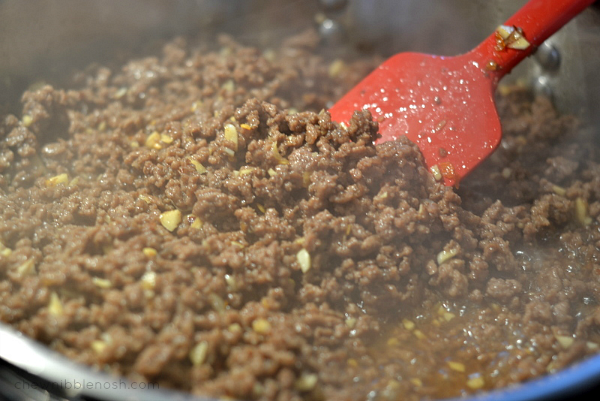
(190,221)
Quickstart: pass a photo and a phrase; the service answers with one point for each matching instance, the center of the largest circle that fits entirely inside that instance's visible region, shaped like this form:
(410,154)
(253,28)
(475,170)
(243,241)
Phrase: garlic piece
(195,221)
(166,138)
(261,326)
(445,256)
(336,68)
(98,346)
(231,135)
(476,383)
(27,120)
(564,341)
(170,219)
(581,212)
(457,366)
(200,169)
(435,171)
(58,179)
(101,282)
(408,325)
(148,280)
(513,37)
(306,382)
(198,353)
(27,268)
(275,151)
(149,252)
(153,141)
(55,306)
(303,258)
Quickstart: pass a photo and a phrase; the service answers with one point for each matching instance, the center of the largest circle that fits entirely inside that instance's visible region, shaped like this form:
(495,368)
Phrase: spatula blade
(443,104)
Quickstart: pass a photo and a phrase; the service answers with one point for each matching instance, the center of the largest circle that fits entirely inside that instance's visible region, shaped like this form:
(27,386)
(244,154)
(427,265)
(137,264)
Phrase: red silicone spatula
(446,104)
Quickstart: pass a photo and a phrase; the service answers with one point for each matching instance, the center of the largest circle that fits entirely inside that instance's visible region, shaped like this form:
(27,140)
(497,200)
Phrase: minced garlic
(170,219)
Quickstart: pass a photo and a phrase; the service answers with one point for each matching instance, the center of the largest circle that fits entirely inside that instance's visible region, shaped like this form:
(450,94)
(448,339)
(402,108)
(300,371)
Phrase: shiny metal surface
(46,39)
(43,39)
(65,378)
(454,27)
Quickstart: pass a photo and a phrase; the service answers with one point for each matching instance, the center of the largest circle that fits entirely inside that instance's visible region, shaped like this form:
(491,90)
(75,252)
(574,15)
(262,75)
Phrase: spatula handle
(538,20)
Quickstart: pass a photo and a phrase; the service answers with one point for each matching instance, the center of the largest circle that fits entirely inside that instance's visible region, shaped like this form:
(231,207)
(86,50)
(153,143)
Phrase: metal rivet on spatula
(548,57)
(331,31)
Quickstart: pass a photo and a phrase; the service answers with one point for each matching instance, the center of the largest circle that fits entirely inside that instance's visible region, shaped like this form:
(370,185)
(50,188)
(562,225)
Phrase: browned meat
(178,222)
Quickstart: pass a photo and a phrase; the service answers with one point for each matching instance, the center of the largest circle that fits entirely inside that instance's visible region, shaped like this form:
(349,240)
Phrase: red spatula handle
(538,20)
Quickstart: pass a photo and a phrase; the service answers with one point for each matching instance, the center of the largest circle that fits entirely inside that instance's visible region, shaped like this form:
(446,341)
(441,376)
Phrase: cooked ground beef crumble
(185,221)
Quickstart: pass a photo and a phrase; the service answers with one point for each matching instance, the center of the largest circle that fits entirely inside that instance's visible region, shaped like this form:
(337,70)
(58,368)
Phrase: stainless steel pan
(41,40)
